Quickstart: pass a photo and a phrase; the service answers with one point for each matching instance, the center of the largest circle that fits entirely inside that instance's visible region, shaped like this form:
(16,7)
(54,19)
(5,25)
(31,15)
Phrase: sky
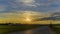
(12,9)
(32,5)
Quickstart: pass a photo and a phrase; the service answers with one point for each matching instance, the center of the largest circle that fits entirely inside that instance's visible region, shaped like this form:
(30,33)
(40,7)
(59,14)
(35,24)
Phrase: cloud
(2,8)
(35,5)
(28,3)
(19,16)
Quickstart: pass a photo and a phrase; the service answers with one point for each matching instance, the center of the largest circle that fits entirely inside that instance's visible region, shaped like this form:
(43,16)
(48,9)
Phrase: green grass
(56,29)
(7,28)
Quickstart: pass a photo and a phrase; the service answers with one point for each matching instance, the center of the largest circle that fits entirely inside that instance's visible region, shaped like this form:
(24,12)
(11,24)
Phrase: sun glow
(28,19)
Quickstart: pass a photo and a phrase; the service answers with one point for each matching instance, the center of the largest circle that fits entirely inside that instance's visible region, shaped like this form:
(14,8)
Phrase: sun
(28,19)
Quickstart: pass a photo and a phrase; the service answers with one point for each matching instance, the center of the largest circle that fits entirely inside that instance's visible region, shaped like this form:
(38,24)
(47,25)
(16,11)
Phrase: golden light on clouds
(27,16)
(24,17)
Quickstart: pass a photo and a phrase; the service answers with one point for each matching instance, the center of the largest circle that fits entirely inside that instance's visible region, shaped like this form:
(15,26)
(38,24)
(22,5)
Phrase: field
(4,29)
(56,29)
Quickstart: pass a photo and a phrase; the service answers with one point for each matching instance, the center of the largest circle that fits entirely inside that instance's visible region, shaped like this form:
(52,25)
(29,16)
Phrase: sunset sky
(20,10)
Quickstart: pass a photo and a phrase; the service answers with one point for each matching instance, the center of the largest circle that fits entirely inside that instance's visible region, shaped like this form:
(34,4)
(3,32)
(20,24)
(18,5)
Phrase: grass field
(56,29)
(11,28)
(4,29)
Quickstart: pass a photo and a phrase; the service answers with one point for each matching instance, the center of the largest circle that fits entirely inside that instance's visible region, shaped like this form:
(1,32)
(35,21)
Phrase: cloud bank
(34,5)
